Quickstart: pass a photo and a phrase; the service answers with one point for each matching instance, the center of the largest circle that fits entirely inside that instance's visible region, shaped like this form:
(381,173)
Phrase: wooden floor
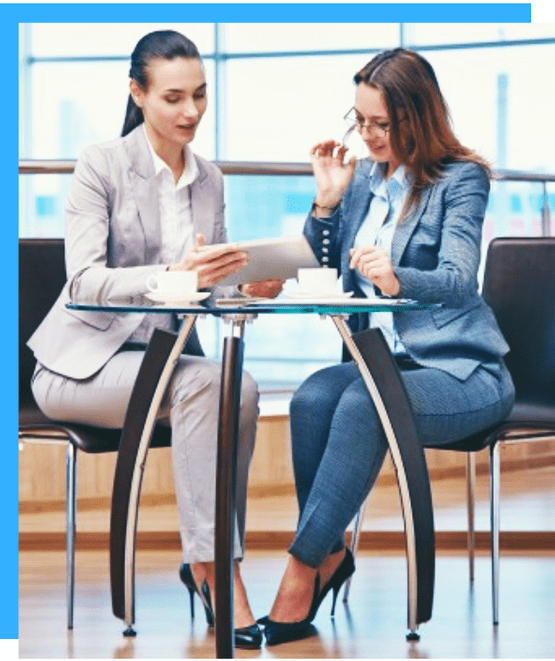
(374,624)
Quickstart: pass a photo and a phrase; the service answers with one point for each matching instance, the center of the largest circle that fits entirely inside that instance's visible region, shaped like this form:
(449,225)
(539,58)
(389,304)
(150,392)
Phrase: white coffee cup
(321,280)
(173,282)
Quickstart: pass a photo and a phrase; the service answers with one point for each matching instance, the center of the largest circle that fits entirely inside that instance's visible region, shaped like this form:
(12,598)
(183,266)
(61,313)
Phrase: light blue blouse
(389,196)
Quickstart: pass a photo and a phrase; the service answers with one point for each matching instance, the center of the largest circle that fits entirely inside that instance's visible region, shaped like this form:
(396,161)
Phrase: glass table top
(281,305)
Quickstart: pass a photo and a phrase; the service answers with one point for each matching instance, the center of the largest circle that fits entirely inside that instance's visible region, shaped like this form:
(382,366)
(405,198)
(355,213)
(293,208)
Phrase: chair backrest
(42,275)
(519,285)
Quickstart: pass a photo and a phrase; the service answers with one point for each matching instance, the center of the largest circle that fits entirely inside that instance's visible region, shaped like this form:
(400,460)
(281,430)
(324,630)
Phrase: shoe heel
(334,599)
(192,602)
(341,574)
(204,593)
(207,603)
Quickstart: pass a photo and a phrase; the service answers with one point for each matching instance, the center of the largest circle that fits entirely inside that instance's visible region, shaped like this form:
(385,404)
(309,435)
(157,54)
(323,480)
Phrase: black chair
(41,278)
(519,286)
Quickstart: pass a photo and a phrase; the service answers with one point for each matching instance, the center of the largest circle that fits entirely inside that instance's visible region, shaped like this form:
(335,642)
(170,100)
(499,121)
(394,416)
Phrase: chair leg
(495,486)
(355,538)
(470,500)
(71,508)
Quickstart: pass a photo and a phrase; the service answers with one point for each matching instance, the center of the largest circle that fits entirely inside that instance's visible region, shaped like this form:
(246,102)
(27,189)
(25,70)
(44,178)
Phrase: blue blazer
(436,254)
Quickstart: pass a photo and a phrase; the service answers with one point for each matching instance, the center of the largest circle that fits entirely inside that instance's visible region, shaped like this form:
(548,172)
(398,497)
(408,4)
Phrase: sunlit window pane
(269,206)
(427,34)
(41,205)
(279,37)
(277,109)
(108,39)
(500,103)
(74,104)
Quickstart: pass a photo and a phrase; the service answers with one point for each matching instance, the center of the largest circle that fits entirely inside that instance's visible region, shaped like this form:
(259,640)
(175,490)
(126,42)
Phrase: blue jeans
(339,444)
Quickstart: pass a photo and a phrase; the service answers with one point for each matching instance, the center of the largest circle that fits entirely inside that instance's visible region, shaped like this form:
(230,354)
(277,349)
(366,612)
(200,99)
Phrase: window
(274,90)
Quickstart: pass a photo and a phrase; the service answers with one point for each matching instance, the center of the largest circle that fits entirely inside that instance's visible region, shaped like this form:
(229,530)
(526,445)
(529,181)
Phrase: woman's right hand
(332,175)
(212,263)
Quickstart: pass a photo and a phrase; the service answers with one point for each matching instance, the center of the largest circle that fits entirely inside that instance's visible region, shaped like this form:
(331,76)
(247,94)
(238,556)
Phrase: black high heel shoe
(281,632)
(245,637)
(186,576)
(345,569)
(284,632)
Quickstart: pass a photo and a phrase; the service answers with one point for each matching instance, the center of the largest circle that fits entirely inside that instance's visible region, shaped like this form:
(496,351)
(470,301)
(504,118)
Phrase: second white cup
(321,280)
(173,282)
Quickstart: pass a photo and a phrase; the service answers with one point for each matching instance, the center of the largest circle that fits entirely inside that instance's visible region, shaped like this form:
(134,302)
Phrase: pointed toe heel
(246,637)
(249,638)
(187,578)
(285,632)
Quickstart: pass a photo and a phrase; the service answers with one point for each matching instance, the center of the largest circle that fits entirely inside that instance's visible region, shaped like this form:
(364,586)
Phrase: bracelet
(321,206)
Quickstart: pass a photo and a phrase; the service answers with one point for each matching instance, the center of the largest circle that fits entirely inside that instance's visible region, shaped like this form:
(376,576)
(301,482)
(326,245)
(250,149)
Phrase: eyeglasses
(356,122)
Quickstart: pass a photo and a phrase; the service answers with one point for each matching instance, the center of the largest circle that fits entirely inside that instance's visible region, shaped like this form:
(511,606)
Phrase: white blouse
(176,221)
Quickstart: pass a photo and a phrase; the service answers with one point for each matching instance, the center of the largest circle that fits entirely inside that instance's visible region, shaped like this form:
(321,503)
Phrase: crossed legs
(339,447)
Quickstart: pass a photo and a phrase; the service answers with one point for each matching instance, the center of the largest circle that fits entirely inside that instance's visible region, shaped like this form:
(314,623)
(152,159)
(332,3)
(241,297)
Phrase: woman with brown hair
(406,222)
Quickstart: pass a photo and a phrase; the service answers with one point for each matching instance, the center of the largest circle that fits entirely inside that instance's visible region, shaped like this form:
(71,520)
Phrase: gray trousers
(190,406)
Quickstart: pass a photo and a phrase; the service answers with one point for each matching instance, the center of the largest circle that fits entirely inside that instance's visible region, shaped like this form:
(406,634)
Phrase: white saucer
(320,295)
(170,298)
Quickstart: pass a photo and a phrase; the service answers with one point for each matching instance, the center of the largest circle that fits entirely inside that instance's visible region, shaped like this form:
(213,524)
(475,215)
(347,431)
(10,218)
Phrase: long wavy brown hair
(421,134)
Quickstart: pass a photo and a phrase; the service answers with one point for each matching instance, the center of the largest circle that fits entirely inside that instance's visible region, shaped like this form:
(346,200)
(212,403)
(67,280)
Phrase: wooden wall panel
(42,469)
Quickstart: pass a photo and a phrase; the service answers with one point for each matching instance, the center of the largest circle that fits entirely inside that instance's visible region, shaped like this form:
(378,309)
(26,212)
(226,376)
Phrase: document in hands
(272,259)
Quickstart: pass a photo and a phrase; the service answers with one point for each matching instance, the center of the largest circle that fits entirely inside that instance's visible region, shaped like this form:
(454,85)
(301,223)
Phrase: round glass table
(370,352)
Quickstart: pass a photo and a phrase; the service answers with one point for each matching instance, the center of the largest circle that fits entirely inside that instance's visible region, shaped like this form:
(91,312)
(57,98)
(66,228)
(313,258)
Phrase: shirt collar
(398,184)
(189,174)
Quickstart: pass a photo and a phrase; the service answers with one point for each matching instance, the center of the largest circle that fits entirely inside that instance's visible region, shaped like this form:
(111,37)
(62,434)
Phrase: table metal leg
(156,370)
(378,369)
(230,399)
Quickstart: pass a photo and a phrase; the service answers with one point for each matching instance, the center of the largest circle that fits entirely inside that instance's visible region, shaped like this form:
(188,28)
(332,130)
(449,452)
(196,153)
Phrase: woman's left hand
(375,265)
(266,289)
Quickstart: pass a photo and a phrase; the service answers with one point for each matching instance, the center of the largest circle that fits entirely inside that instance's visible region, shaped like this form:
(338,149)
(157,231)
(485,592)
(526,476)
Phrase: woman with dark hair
(406,222)
(137,205)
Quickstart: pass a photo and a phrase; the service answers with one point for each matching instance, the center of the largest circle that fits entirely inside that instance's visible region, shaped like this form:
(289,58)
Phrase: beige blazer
(113,243)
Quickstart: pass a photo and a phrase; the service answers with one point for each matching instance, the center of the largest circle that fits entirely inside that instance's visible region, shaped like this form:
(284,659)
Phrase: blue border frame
(472,12)
(10,16)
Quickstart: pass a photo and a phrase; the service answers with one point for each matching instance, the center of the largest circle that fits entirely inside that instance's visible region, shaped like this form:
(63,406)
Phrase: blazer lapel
(145,189)
(201,203)
(362,197)
(406,228)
